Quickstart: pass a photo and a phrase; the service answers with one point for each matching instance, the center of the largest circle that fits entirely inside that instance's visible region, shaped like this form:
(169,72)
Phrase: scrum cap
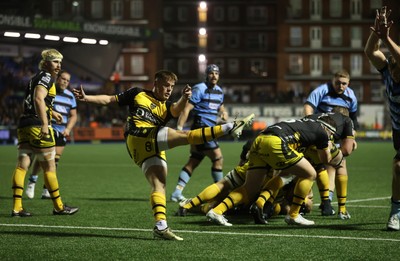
(212,68)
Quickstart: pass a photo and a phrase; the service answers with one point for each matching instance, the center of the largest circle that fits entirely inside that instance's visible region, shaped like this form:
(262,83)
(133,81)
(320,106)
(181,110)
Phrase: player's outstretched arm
(96,99)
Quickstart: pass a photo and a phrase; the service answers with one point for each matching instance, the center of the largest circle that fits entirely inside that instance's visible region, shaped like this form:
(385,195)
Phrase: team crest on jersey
(153,106)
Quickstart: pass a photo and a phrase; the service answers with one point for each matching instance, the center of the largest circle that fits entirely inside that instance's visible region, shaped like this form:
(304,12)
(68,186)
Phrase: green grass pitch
(115,221)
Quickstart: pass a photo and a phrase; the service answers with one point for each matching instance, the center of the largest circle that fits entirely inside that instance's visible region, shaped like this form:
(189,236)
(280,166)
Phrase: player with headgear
(206,106)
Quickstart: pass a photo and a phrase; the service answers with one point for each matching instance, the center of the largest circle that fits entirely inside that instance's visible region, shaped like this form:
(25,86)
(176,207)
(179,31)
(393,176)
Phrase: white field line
(206,232)
(360,200)
(218,232)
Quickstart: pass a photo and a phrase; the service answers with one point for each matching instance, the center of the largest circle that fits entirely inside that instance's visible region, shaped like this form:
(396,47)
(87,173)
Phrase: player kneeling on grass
(148,138)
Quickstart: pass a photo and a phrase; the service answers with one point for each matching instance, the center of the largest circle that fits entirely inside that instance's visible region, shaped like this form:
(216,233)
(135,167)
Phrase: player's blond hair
(49,55)
(342,73)
(165,75)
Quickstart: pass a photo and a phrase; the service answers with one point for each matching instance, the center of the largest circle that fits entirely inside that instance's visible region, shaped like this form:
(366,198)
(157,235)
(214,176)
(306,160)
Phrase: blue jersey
(206,102)
(324,98)
(393,94)
(63,104)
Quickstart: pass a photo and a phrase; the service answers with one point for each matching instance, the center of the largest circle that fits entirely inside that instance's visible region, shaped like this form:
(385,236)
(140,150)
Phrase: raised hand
(79,93)
(187,92)
(381,25)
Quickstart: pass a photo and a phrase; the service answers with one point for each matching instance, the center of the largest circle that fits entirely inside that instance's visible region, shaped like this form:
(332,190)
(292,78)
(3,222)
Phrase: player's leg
(30,188)
(331,174)
(323,187)
(59,151)
(394,217)
(216,192)
(306,174)
(242,195)
(46,157)
(155,170)
(215,155)
(205,196)
(206,134)
(341,181)
(196,156)
(262,208)
(24,155)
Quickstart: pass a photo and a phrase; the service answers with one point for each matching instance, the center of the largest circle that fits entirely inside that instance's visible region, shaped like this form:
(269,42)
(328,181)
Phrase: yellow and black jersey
(145,110)
(29,116)
(344,124)
(300,133)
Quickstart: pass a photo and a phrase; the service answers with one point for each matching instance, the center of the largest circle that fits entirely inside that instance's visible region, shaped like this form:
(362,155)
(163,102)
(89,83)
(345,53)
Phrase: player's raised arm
(178,106)
(101,99)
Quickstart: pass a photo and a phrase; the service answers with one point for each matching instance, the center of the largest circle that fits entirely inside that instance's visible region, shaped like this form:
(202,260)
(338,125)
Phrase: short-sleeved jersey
(63,104)
(29,116)
(393,94)
(206,102)
(145,110)
(324,98)
(344,125)
(300,134)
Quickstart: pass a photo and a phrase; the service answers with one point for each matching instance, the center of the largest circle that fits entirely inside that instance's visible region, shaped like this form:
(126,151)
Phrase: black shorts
(61,141)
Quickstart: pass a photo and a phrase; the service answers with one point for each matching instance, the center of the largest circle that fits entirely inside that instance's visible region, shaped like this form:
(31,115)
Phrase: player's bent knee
(153,161)
(24,153)
(162,138)
(46,156)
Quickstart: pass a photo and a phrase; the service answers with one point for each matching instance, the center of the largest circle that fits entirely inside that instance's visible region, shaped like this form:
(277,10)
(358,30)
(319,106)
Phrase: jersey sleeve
(45,80)
(314,98)
(354,103)
(348,129)
(125,98)
(74,105)
(196,95)
(323,139)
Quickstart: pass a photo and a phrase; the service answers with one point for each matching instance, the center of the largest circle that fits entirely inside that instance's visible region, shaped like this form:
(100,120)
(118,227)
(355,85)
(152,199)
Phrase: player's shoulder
(200,86)
(321,89)
(350,91)
(219,88)
(68,92)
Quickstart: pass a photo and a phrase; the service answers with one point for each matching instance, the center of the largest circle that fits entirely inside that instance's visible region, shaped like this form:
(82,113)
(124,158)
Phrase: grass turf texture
(115,220)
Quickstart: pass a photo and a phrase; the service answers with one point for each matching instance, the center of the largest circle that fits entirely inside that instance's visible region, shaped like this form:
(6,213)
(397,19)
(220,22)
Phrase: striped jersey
(393,94)
(63,104)
(324,98)
(206,102)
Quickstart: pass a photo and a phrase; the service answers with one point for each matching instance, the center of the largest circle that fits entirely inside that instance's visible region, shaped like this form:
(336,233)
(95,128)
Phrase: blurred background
(271,54)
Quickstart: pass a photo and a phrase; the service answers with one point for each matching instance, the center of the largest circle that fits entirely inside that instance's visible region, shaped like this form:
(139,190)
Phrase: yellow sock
(18,187)
(51,182)
(238,196)
(202,135)
(301,190)
(341,191)
(158,205)
(206,195)
(270,191)
(323,184)
(262,198)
